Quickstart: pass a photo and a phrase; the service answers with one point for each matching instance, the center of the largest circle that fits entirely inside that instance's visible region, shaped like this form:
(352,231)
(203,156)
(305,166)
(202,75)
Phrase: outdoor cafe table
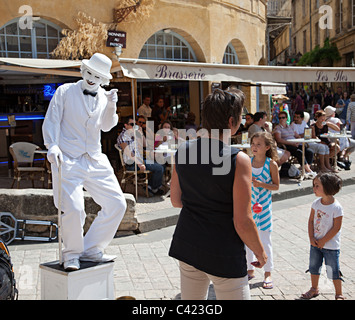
(241,146)
(303,141)
(171,152)
(334,137)
(244,147)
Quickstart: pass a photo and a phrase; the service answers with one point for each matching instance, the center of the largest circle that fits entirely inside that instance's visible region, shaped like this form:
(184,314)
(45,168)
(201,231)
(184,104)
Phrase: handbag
(293,171)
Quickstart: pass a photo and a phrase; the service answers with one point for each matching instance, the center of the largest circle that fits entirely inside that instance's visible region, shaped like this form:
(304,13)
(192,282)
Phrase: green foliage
(329,52)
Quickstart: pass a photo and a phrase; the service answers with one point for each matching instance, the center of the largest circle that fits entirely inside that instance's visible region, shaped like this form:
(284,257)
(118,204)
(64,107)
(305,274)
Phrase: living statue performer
(72,129)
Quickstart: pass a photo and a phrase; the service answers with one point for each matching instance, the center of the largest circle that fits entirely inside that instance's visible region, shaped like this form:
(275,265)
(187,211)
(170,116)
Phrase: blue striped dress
(263,220)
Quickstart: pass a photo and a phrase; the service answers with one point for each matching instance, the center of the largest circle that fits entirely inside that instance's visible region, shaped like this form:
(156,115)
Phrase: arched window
(167,45)
(230,55)
(38,42)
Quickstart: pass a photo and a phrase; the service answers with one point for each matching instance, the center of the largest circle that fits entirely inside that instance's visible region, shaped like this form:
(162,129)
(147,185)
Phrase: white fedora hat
(100,64)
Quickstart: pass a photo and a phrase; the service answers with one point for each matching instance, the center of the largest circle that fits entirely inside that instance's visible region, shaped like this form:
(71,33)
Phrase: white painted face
(92,80)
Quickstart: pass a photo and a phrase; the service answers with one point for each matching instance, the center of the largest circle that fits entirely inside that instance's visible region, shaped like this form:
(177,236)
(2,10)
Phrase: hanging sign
(116,39)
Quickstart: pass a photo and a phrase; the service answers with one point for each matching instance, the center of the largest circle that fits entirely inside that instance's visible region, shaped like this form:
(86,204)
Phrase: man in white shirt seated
(145,110)
(298,124)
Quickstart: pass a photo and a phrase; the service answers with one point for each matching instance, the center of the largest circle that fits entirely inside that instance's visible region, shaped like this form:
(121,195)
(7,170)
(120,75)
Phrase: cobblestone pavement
(144,270)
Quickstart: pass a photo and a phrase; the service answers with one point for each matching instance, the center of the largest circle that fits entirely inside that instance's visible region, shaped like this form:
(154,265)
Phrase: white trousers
(265,237)
(98,178)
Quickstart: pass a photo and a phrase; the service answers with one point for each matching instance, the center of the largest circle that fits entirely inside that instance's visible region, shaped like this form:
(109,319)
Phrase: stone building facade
(215,31)
(318,20)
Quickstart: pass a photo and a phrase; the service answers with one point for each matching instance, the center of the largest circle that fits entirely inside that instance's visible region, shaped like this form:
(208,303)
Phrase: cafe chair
(23,154)
(130,176)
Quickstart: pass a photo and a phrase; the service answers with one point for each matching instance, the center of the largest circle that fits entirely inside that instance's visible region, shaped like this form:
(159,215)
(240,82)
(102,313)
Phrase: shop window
(38,42)
(167,46)
(230,55)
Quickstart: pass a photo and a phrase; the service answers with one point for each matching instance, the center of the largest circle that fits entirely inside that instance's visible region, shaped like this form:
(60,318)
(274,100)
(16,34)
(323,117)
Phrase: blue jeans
(331,258)
(155,181)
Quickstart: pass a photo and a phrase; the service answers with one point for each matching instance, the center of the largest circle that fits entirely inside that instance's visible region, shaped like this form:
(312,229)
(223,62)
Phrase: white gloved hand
(112,95)
(55,155)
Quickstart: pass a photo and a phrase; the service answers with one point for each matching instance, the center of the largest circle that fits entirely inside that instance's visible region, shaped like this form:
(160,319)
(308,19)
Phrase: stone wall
(37,204)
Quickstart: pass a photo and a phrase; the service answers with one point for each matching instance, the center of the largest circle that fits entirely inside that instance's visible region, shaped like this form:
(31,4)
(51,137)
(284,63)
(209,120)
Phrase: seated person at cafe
(165,134)
(126,139)
(323,147)
(146,130)
(298,124)
(346,145)
(260,121)
(249,119)
(166,137)
(283,133)
(260,125)
(168,134)
(142,122)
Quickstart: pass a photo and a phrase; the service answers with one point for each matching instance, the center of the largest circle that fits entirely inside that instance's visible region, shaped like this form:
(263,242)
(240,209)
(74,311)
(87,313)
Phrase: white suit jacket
(72,126)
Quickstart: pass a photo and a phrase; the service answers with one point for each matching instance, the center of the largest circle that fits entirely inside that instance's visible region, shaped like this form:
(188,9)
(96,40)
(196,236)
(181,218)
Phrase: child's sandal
(339,297)
(311,293)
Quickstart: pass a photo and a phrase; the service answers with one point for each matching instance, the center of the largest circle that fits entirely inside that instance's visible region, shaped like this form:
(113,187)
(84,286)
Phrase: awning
(158,70)
(191,71)
(42,63)
(41,66)
(272,87)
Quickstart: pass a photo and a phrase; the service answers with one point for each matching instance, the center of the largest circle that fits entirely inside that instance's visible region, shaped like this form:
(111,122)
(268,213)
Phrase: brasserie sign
(166,73)
(152,69)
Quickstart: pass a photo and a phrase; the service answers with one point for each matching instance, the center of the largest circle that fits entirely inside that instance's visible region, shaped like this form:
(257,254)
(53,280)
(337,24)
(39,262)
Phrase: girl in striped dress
(265,179)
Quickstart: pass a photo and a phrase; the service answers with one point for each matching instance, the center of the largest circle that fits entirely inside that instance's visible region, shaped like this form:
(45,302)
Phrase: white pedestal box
(93,281)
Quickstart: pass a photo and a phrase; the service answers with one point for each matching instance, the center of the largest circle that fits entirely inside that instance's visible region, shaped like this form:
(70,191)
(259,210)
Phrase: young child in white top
(324,227)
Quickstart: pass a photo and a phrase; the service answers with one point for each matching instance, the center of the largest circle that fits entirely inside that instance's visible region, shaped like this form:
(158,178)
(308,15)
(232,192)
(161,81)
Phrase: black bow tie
(86,92)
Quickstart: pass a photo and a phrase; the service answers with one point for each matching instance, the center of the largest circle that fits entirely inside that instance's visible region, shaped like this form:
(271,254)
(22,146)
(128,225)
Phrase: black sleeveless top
(205,236)
(320,131)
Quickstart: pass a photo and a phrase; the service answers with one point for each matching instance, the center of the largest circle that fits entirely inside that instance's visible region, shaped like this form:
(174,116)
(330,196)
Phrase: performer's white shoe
(97,257)
(72,265)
